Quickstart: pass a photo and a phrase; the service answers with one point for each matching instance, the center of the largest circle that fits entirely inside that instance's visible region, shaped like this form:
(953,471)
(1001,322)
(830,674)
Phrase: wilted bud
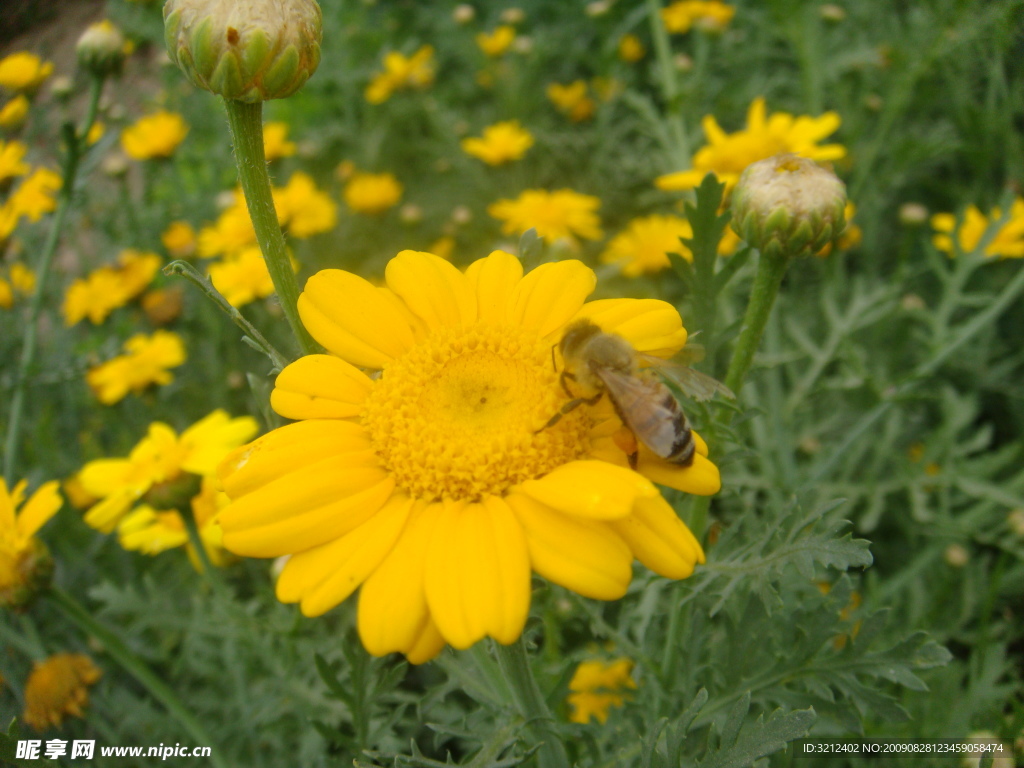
(62,87)
(956,556)
(598,8)
(410,213)
(115,166)
(913,214)
(512,16)
(248,51)
(832,13)
(27,575)
(463,13)
(101,49)
(461,215)
(788,206)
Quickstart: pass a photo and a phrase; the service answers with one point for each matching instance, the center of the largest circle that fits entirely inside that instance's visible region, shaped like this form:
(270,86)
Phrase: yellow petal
(41,507)
(659,539)
(585,556)
(104,515)
(272,523)
(105,476)
(393,613)
(354,319)
(320,387)
(290,448)
(426,645)
(432,288)
(7,520)
(493,279)
(589,488)
(324,576)
(650,325)
(209,440)
(701,478)
(478,573)
(551,294)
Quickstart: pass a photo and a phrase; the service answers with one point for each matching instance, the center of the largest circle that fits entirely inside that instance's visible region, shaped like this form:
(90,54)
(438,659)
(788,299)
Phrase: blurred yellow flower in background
(12,160)
(163,470)
(151,531)
(572,100)
(36,195)
(179,239)
(597,686)
(728,154)
(154,136)
(432,484)
(1007,242)
(709,15)
(21,281)
(416,71)
(501,143)
(14,113)
(631,50)
(147,361)
(23,71)
(57,687)
(643,246)
(498,41)
(303,209)
(105,289)
(562,214)
(372,193)
(25,563)
(275,141)
(243,277)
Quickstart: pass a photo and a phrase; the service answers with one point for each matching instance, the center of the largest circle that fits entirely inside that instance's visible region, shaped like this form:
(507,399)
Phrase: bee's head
(575,336)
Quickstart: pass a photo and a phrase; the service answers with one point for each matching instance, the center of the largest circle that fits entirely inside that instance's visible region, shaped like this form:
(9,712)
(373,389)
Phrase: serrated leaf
(650,742)
(761,739)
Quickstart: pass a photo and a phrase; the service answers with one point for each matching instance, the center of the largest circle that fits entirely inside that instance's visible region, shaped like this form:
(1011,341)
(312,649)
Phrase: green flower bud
(101,49)
(28,574)
(788,206)
(249,51)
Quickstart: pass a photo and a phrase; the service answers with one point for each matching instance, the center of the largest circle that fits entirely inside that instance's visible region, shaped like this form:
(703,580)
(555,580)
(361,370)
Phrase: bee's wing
(694,384)
(646,407)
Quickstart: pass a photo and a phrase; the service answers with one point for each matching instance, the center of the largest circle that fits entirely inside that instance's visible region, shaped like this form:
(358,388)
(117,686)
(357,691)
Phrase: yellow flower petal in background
(501,143)
(23,71)
(154,136)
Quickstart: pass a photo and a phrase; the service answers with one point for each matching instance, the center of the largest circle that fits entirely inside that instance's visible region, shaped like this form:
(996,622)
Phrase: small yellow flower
(275,141)
(14,113)
(444,247)
(57,687)
(646,242)
(372,193)
(431,484)
(154,136)
(25,564)
(95,133)
(242,277)
(110,287)
(6,294)
(152,531)
(12,160)
(23,279)
(179,239)
(162,305)
(23,71)
(1008,242)
(231,233)
(572,100)
(146,361)
(36,195)
(400,73)
(709,15)
(597,686)
(497,42)
(164,469)
(304,210)
(728,154)
(631,50)
(555,215)
(501,143)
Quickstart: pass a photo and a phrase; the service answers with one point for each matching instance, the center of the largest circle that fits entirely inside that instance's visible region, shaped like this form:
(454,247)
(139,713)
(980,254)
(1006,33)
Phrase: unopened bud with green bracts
(788,206)
(247,51)
(25,576)
(101,49)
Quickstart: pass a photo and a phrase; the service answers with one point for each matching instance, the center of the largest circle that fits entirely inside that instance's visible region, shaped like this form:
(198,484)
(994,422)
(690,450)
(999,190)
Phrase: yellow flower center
(461,414)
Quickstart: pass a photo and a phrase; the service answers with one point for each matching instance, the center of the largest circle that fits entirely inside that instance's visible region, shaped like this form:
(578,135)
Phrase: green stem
(515,666)
(770,272)
(75,143)
(246,123)
(186,270)
(670,91)
(134,666)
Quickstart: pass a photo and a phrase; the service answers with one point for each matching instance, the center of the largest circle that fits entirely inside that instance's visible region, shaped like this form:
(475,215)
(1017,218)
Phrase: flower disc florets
(248,51)
(788,206)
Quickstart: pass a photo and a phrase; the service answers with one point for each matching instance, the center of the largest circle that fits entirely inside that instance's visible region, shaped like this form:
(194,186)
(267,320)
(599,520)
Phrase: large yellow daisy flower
(434,484)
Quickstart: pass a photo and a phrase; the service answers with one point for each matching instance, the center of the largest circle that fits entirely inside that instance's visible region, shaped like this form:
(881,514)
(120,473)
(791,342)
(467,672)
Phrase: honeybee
(599,363)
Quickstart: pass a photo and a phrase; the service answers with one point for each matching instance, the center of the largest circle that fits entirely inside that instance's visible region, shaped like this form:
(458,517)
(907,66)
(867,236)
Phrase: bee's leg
(626,442)
(568,408)
(566,375)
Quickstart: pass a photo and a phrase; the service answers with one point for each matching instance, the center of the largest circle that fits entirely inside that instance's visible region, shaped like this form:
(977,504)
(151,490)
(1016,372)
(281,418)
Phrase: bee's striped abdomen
(683,446)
